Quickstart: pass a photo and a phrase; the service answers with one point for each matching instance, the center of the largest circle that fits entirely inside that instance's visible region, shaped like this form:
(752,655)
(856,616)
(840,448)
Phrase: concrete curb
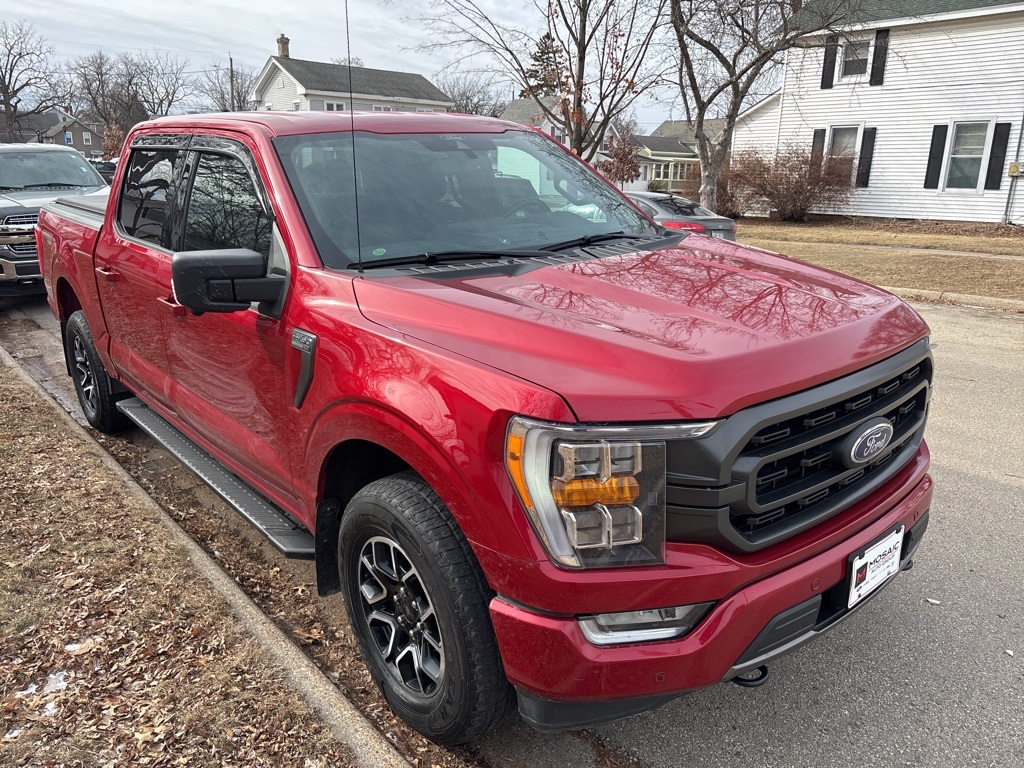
(370,747)
(960,299)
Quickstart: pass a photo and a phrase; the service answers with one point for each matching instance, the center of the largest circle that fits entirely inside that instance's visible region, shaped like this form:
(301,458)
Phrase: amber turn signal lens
(586,491)
(514,461)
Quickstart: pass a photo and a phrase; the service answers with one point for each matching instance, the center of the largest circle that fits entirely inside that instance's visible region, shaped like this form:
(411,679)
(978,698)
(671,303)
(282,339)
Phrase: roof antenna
(352,133)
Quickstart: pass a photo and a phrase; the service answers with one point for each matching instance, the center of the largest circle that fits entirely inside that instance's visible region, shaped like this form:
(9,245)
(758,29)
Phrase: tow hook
(753,678)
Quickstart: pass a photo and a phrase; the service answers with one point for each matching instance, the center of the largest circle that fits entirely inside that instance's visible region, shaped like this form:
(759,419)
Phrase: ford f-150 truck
(31,175)
(552,454)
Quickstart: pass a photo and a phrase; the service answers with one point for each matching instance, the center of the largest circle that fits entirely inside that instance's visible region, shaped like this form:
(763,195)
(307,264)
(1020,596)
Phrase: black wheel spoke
(400,615)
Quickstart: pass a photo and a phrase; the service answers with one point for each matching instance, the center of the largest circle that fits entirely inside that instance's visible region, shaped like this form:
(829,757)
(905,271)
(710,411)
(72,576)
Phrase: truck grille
(776,469)
(22,219)
(26,249)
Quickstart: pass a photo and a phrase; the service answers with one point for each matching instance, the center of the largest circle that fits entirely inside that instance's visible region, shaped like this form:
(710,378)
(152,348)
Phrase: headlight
(595,495)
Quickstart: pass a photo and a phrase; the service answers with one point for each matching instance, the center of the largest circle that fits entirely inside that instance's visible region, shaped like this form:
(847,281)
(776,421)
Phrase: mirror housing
(225,280)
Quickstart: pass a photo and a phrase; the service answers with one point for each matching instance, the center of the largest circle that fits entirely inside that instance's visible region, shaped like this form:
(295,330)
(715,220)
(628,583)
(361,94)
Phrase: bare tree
(605,47)
(725,50)
(29,83)
(163,81)
(348,61)
(474,93)
(109,88)
(220,94)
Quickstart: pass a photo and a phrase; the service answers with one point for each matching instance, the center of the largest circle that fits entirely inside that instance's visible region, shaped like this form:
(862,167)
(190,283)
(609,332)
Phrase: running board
(287,536)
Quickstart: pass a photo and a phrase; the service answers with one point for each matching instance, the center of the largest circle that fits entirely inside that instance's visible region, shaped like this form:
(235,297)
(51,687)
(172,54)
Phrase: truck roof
(292,123)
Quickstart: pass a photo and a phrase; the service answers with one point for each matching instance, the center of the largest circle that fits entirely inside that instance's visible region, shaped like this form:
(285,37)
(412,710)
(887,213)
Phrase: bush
(790,182)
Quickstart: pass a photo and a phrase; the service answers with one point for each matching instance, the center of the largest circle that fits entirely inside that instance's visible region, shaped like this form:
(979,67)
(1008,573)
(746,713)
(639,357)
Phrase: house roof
(527,111)
(871,11)
(683,130)
(31,125)
(334,78)
(663,145)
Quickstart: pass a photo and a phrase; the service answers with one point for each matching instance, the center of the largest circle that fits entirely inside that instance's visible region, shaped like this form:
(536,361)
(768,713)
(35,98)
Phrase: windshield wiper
(9,186)
(587,240)
(438,257)
(53,184)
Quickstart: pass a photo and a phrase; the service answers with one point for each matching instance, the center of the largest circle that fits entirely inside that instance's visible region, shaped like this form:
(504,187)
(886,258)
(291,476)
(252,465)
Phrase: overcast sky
(204,32)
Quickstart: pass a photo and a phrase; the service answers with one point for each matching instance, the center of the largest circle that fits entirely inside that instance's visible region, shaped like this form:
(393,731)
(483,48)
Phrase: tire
(92,385)
(417,602)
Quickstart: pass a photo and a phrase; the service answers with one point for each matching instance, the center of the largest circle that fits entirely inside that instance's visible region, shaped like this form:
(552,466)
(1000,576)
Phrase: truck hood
(698,330)
(35,198)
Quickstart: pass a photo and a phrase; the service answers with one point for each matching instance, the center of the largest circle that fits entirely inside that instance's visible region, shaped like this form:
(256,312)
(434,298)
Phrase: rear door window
(224,209)
(149,200)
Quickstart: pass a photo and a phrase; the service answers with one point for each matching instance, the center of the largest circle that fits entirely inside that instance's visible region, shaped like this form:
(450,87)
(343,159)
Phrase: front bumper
(565,682)
(20,275)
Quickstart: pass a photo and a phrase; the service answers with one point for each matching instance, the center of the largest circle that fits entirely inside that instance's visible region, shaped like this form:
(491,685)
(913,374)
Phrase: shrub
(790,182)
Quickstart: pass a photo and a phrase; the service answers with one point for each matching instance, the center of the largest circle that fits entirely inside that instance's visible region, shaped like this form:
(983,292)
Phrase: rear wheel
(92,385)
(417,602)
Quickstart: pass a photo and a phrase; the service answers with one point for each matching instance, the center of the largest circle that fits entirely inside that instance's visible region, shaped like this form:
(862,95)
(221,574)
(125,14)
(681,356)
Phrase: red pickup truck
(551,453)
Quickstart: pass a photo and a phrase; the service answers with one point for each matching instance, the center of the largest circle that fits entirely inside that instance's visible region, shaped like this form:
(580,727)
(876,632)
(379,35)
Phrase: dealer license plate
(873,566)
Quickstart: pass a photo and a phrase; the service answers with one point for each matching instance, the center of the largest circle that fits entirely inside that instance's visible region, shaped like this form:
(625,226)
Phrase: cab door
(227,370)
(133,263)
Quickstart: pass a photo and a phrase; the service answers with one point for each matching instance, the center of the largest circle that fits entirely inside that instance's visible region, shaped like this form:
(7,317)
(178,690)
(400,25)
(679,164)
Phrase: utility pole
(231,78)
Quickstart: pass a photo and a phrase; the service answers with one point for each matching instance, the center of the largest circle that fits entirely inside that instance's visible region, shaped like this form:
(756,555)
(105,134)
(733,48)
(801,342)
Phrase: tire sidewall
(76,329)
(446,711)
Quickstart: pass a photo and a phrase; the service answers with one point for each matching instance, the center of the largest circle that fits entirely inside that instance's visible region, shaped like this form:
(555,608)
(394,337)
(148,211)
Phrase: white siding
(936,74)
(759,128)
(280,94)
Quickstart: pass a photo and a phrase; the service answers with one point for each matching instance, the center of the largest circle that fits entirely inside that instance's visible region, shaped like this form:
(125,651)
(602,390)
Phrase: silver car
(677,212)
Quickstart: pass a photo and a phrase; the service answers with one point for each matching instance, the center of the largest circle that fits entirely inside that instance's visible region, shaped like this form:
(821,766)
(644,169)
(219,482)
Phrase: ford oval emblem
(867,442)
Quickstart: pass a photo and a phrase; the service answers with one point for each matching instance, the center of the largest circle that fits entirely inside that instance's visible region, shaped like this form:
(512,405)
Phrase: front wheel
(418,605)
(92,385)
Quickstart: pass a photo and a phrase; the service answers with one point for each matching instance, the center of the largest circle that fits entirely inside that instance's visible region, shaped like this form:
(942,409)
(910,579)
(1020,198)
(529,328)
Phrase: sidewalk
(121,642)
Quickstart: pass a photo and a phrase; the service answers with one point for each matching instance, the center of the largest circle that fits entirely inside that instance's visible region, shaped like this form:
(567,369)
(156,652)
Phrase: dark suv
(31,175)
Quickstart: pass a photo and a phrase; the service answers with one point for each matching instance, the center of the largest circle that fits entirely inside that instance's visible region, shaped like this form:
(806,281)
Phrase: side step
(287,536)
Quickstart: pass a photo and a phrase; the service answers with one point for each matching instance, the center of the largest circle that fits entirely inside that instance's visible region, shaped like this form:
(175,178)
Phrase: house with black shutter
(923,98)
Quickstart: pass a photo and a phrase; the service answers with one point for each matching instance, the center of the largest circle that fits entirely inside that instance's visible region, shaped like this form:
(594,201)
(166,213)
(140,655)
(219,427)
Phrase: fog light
(642,626)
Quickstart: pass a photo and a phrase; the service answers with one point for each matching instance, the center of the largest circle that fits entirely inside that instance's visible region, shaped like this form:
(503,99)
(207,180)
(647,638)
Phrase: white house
(927,101)
(295,85)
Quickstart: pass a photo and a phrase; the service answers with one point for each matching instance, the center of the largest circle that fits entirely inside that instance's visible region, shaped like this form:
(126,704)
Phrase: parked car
(677,212)
(30,175)
(549,457)
(105,168)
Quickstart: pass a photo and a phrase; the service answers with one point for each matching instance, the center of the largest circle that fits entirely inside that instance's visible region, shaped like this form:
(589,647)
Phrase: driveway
(920,677)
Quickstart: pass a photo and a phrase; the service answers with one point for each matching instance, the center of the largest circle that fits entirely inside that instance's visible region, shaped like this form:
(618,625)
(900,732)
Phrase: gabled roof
(663,146)
(334,78)
(681,129)
(528,111)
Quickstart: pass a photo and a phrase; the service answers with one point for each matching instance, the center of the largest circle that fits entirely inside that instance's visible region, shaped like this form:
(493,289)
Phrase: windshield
(23,169)
(682,207)
(430,193)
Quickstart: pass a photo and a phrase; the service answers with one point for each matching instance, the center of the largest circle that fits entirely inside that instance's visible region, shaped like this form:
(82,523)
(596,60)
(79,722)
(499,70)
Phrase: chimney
(282,46)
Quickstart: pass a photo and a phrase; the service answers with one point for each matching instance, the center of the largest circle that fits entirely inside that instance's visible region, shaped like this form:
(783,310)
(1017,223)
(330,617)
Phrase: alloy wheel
(84,375)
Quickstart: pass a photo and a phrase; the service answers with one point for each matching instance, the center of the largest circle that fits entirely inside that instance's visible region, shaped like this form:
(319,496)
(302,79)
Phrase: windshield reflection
(424,193)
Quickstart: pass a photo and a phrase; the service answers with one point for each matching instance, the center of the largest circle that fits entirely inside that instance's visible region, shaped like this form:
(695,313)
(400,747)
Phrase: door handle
(110,275)
(176,309)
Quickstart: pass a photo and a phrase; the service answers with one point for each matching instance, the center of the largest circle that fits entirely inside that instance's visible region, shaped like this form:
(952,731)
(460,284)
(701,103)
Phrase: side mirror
(225,280)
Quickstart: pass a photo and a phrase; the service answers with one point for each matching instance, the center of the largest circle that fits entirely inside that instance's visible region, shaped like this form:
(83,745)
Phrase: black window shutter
(879,57)
(818,147)
(935,153)
(996,158)
(867,152)
(828,70)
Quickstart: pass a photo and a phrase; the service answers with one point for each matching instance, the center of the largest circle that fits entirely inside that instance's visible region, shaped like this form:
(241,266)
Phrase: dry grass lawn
(112,650)
(945,236)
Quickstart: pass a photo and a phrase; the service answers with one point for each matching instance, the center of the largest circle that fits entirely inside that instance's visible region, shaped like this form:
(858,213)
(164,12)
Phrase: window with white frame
(842,147)
(384,108)
(855,58)
(965,155)
(424,109)
(336,106)
(660,171)
(87,138)
(296,106)
(269,106)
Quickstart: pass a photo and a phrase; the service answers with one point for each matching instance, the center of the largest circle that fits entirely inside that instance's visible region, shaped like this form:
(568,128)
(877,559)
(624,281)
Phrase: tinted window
(683,207)
(224,210)
(148,200)
(424,193)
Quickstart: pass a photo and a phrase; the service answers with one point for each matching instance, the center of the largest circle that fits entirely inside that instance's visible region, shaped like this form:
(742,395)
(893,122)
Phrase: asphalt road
(906,682)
